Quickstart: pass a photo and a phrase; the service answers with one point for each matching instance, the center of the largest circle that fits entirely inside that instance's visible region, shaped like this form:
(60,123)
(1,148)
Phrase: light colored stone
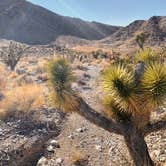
(50,148)
(59,161)
(42,162)
(54,143)
(81,130)
(71,136)
(98,147)
(155,153)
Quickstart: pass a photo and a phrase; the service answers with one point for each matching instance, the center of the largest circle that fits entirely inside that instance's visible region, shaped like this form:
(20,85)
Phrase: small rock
(21,71)
(71,136)
(42,162)
(14,141)
(55,143)
(81,82)
(59,161)
(162,158)
(42,77)
(86,75)
(98,147)
(2,96)
(44,130)
(81,130)
(31,73)
(86,88)
(50,148)
(155,153)
(38,81)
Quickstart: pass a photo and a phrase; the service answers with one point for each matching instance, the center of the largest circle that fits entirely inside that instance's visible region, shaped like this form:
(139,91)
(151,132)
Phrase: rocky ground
(48,138)
(22,141)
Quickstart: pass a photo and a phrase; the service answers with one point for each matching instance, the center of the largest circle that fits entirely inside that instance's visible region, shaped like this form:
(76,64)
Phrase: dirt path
(81,139)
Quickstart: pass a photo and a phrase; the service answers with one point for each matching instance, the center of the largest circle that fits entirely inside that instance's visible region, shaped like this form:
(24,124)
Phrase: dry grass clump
(3,77)
(22,99)
(78,158)
(39,68)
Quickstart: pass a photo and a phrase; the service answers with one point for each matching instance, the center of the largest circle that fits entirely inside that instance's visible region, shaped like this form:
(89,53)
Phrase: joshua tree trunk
(134,138)
(138,149)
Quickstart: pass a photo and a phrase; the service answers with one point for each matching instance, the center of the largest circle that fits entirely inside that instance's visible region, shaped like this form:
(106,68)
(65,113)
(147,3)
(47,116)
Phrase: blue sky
(114,12)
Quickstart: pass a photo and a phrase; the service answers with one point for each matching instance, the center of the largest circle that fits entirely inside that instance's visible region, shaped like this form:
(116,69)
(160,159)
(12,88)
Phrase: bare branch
(11,55)
(100,120)
(155,126)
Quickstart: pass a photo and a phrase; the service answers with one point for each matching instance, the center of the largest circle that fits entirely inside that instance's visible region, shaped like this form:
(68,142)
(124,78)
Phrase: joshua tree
(131,94)
(12,54)
(140,39)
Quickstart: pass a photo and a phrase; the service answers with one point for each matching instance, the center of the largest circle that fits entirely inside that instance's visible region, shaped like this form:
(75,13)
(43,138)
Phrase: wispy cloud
(67,6)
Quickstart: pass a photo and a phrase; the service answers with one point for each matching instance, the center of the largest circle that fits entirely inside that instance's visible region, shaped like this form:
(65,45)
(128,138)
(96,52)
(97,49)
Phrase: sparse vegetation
(131,95)
(140,39)
(21,99)
(12,54)
(78,158)
(99,54)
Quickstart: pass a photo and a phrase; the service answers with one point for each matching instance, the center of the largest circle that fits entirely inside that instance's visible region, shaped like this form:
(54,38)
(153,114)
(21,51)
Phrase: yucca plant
(131,94)
(147,55)
(61,77)
(140,39)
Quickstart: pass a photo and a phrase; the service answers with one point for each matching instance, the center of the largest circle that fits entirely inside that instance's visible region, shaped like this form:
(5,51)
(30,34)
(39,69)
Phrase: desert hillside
(25,22)
(154,28)
(81,93)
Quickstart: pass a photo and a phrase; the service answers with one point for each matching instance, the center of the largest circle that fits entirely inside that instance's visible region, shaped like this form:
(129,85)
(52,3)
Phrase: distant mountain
(70,41)
(154,28)
(25,22)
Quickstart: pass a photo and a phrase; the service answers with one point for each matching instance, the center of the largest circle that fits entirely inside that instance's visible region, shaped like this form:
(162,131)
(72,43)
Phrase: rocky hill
(154,28)
(70,41)
(25,22)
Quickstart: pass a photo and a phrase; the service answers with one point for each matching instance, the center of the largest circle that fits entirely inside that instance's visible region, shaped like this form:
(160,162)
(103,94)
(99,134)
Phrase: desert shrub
(22,99)
(99,54)
(79,158)
(41,66)
(12,54)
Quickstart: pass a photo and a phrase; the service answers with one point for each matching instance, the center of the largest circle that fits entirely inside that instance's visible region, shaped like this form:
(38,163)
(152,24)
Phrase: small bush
(22,99)
(12,54)
(99,54)
(79,159)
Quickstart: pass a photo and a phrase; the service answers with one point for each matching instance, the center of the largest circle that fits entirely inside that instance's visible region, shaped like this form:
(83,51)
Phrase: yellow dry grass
(3,77)
(23,99)
(88,49)
(77,156)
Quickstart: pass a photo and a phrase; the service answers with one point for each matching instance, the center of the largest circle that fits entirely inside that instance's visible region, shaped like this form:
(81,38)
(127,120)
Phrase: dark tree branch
(12,54)
(155,126)
(100,120)
(21,52)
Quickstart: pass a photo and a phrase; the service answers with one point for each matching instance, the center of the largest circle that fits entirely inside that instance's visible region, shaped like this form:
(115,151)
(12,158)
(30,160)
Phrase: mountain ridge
(25,22)
(154,28)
